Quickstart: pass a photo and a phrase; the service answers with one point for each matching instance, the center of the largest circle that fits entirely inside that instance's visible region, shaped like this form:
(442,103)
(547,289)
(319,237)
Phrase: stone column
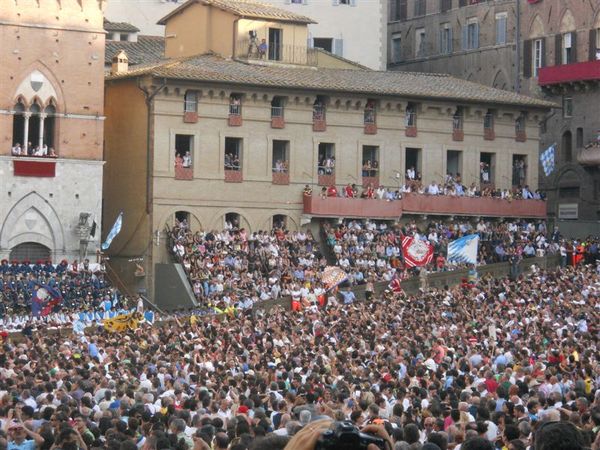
(41,139)
(26,117)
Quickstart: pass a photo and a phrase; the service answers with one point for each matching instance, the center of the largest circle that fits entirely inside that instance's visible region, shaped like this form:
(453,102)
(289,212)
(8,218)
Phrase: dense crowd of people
(83,288)
(370,251)
(499,365)
(235,268)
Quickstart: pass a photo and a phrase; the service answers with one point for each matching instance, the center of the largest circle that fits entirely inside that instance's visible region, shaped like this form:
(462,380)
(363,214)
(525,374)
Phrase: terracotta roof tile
(245,8)
(147,49)
(214,68)
(120,26)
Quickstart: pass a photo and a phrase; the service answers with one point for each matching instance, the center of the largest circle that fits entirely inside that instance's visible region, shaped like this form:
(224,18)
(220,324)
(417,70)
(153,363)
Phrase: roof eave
(150,72)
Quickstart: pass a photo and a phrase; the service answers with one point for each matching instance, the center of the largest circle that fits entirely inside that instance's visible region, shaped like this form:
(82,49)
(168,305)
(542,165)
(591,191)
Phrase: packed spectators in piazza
(451,186)
(31,150)
(498,364)
(234,268)
(369,251)
(81,292)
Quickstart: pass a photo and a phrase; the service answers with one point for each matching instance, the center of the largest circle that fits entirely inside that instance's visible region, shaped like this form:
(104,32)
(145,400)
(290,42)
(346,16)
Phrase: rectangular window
(399,10)
(275,44)
(597,36)
(326,158)
(184,147)
(567,107)
(370,112)
(445,39)
(277,107)
(410,118)
(190,100)
(501,28)
(412,163)
(370,161)
(488,121)
(519,170)
(579,138)
(454,164)
(420,42)
(538,56)
(568,48)
(445,5)
(233,153)
(235,105)
(396,47)
(457,119)
(281,156)
(324,43)
(420,8)
(471,34)
(486,168)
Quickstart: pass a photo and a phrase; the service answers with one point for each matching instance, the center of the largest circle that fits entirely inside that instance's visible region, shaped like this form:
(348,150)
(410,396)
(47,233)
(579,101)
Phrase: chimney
(120,63)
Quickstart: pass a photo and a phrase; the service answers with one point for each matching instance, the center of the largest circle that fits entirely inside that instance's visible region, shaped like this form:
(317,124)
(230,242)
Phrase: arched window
(567,146)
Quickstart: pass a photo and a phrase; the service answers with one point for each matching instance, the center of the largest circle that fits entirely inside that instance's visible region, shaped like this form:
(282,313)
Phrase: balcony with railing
(418,204)
(277,119)
(253,51)
(370,177)
(411,124)
(326,176)
(370,120)
(235,114)
(587,71)
(458,133)
(319,118)
(281,176)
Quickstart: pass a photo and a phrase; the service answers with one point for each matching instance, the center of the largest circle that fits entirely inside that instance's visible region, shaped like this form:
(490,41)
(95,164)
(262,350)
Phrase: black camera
(346,436)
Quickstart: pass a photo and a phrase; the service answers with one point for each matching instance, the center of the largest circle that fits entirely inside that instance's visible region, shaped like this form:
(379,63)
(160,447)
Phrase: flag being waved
(116,229)
(122,322)
(464,249)
(44,299)
(333,276)
(416,252)
(547,159)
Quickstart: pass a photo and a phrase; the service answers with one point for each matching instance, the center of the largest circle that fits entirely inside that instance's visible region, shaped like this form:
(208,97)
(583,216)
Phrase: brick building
(212,138)
(544,48)
(51,100)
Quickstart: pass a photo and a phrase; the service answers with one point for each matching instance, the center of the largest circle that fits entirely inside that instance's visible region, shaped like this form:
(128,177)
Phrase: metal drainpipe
(518,44)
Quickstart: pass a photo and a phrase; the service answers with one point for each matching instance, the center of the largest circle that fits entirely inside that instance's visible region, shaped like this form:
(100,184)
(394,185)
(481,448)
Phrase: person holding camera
(19,436)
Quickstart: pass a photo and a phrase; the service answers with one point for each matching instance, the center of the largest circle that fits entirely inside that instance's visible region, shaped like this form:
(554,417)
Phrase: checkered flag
(547,159)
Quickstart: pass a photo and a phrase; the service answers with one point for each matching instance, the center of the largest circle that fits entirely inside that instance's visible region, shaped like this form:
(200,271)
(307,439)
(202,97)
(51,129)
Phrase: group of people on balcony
(30,150)
(232,161)
(184,161)
(280,166)
(370,168)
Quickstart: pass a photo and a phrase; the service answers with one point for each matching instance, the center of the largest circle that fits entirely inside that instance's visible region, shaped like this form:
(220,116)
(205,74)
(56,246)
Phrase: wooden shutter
(573,47)
(527,57)
(558,50)
(592,46)
(543,51)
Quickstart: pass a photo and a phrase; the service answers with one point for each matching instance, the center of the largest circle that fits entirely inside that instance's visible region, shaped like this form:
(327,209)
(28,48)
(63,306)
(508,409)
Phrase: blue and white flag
(464,249)
(547,159)
(116,228)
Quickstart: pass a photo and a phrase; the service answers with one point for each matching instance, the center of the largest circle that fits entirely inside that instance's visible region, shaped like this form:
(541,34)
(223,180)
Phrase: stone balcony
(413,204)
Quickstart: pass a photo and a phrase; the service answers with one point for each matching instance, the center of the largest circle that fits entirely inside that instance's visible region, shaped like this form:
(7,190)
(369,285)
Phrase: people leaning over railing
(33,151)
(450,188)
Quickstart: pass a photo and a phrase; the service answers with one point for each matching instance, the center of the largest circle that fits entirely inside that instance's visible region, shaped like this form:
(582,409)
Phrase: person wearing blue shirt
(348,296)
(21,438)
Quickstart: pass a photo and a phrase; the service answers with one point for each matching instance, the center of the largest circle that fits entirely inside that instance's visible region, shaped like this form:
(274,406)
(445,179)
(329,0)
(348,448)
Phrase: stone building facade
(51,100)
(543,48)
(214,140)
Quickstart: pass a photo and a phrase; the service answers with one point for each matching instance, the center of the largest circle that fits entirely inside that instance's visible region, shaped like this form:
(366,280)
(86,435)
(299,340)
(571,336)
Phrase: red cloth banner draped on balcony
(28,168)
(416,252)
